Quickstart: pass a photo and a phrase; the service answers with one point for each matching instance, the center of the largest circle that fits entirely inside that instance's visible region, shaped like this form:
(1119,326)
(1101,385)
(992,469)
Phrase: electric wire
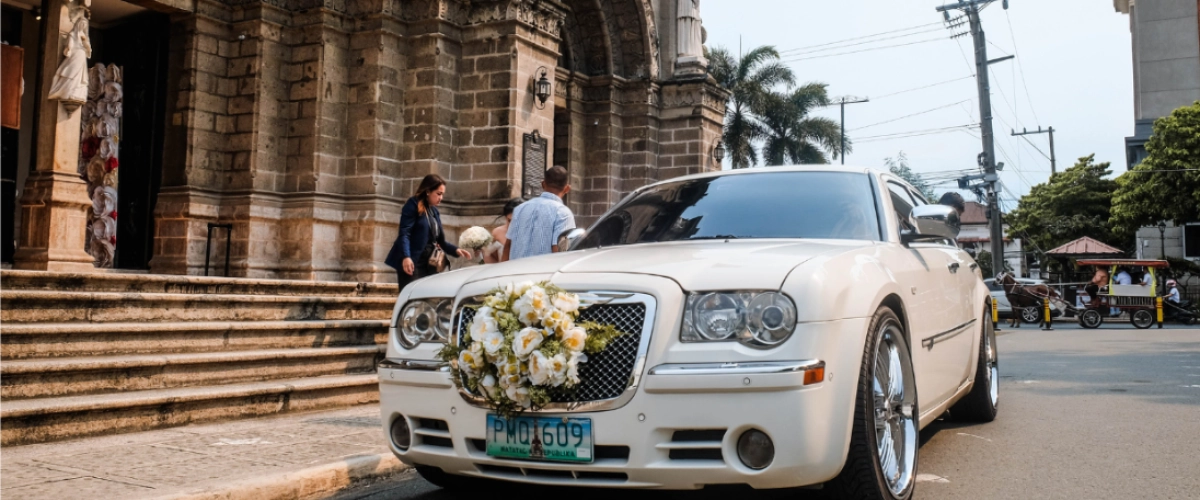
(837,42)
(792,60)
(1017,52)
(909,116)
(923,88)
(794,53)
(914,133)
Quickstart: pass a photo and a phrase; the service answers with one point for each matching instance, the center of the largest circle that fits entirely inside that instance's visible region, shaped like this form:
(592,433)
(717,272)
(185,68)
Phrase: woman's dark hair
(428,185)
(511,206)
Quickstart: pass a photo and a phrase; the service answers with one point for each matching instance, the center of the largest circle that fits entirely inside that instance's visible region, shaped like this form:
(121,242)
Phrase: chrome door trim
(928,342)
(738,368)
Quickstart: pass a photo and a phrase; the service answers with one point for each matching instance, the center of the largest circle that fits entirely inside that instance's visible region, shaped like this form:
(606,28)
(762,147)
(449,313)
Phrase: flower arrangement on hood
(522,341)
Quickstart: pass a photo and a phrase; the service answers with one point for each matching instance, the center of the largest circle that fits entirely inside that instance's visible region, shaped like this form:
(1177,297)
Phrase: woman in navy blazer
(414,245)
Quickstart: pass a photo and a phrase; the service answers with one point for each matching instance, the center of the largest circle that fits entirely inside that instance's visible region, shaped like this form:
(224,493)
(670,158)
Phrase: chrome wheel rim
(895,405)
(993,365)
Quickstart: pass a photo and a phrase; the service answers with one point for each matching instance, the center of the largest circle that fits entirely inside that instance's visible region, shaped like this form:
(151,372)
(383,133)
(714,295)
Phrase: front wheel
(1142,319)
(882,460)
(979,405)
(1091,318)
(1031,314)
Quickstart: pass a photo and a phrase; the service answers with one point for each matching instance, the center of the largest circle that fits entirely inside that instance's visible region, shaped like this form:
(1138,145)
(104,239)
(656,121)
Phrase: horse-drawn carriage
(1142,302)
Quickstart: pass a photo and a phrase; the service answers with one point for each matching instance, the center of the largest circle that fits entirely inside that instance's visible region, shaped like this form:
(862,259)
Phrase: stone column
(693,113)
(55,203)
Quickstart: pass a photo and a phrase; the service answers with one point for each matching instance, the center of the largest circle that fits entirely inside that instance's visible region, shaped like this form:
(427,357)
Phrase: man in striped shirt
(537,223)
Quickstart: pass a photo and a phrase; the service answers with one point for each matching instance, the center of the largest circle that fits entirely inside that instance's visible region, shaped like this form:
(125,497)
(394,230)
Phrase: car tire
(979,405)
(1031,315)
(1091,319)
(1142,319)
(865,475)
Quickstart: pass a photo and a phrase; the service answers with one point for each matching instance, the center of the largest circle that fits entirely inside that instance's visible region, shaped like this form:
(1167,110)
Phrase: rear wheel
(1142,319)
(882,460)
(1031,314)
(1091,318)
(979,405)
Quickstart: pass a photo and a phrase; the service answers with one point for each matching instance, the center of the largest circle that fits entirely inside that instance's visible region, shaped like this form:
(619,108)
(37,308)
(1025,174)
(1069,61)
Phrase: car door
(935,307)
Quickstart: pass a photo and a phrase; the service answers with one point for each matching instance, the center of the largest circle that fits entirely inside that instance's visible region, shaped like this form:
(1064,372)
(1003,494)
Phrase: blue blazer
(414,235)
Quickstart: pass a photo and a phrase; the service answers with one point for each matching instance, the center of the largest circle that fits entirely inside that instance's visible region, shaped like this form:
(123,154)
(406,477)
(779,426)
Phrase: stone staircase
(101,353)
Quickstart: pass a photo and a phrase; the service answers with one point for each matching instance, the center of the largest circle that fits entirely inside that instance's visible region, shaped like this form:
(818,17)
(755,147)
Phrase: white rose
(537,298)
(522,287)
(566,302)
(539,368)
(492,342)
(489,386)
(574,340)
(573,367)
(526,341)
(526,313)
(557,366)
(556,320)
(519,395)
(467,362)
(483,323)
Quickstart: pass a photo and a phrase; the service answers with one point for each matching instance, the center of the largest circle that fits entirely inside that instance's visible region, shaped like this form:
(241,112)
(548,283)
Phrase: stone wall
(306,125)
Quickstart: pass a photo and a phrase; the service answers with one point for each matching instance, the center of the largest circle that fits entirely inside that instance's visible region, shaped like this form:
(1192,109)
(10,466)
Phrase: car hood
(695,265)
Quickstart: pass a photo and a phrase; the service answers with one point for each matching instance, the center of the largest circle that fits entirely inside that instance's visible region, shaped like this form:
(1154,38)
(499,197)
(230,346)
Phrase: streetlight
(1162,239)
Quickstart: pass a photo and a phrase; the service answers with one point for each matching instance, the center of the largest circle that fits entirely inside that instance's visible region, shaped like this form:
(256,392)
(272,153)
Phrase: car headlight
(425,320)
(757,319)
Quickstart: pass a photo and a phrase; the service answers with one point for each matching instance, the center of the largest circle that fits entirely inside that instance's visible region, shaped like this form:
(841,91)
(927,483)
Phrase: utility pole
(843,101)
(987,159)
(1053,163)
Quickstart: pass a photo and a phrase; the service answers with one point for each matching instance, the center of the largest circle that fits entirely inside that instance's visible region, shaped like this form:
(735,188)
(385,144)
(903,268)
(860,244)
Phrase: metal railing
(228,227)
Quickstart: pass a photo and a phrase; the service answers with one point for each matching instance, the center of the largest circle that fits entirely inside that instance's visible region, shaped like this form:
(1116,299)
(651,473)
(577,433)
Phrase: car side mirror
(932,222)
(569,237)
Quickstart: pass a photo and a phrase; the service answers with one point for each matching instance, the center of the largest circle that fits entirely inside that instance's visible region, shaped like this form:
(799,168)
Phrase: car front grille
(605,375)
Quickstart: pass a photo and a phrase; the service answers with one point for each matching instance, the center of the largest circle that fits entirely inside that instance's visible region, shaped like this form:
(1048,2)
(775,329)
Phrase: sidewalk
(307,455)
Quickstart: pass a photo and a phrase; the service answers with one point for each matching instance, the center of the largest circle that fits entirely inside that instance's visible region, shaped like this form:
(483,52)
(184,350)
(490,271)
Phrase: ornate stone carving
(689,53)
(70,83)
(539,14)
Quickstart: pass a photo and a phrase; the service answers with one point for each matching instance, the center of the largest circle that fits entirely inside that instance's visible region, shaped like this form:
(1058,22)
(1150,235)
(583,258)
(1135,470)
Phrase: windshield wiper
(715,237)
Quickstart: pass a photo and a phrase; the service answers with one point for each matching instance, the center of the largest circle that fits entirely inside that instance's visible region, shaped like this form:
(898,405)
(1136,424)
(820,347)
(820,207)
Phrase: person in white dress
(494,253)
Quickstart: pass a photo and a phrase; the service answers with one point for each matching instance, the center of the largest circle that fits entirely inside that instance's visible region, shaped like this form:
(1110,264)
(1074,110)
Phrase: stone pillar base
(54,223)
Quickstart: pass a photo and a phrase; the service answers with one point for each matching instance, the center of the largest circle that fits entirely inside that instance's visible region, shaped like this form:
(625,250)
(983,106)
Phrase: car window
(902,202)
(822,205)
(993,286)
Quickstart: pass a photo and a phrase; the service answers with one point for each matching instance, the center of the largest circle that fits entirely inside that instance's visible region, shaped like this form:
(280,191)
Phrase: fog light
(401,433)
(755,449)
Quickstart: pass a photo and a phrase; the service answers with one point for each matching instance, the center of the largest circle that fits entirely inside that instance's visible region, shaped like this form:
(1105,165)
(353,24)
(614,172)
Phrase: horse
(1023,296)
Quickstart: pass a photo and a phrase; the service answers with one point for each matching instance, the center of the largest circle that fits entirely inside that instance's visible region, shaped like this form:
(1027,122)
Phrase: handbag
(437,257)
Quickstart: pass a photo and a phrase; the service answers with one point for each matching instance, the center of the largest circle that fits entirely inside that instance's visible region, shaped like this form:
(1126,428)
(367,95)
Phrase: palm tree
(793,136)
(749,79)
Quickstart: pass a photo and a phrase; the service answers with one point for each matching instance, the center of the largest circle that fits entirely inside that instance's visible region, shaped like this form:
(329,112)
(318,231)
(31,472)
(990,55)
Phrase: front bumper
(638,445)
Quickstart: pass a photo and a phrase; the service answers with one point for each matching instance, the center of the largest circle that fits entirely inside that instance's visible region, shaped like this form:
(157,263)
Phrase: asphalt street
(1107,413)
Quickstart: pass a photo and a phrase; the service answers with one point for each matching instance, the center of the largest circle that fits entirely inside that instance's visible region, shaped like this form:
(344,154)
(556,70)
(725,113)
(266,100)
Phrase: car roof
(787,168)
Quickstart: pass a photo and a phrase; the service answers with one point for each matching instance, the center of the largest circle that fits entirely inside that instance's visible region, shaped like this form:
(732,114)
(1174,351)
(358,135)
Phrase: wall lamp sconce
(719,152)
(541,87)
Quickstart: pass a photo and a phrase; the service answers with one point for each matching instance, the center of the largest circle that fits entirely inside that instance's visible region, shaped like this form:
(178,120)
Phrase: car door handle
(953,267)
(974,266)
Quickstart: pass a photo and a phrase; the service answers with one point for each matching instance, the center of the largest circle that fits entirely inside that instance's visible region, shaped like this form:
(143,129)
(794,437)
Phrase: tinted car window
(825,205)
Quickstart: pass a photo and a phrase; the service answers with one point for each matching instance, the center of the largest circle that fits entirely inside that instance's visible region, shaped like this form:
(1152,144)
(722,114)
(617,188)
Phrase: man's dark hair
(556,177)
(952,199)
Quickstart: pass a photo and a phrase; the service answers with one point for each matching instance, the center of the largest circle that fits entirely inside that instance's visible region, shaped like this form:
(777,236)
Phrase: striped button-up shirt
(536,225)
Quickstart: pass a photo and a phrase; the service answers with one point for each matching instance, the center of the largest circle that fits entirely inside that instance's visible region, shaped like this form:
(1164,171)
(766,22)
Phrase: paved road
(1108,413)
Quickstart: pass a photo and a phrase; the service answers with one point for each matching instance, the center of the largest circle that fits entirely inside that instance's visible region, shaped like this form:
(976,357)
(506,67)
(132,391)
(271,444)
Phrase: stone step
(27,306)
(162,283)
(60,377)
(46,340)
(50,419)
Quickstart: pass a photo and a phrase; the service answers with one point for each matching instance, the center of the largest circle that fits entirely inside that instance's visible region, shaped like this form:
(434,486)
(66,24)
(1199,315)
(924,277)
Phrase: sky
(1074,73)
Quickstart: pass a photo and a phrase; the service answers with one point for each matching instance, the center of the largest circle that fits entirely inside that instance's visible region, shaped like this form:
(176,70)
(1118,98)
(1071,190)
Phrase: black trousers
(419,271)
(1092,291)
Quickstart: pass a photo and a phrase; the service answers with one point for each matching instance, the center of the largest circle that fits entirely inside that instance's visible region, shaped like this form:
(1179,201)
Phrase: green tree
(791,136)
(1165,185)
(749,79)
(899,166)
(1073,203)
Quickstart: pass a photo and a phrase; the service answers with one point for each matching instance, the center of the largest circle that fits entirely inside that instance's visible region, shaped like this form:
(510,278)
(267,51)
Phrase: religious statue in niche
(71,79)
(689,39)
(98,160)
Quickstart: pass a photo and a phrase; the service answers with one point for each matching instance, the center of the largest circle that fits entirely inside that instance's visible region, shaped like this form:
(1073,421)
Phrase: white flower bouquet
(475,238)
(524,340)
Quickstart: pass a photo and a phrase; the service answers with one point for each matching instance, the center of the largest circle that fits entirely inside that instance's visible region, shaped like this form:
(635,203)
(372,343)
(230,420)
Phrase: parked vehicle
(1139,301)
(1028,314)
(875,325)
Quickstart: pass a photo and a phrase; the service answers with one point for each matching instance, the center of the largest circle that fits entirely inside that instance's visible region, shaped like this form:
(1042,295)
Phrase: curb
(315,482)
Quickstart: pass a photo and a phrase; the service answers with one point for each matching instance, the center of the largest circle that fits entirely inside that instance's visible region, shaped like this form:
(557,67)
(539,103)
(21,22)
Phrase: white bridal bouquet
(475,238)
(523,340)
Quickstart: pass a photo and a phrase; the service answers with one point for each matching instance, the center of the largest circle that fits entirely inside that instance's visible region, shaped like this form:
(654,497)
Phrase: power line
(910,116)
(910,28)
(924,87)
(788,60)
(915,133)
(1016,52)
(800,52)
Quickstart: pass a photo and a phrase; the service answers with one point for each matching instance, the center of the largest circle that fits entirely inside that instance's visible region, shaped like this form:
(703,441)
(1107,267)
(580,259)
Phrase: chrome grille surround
(609,379)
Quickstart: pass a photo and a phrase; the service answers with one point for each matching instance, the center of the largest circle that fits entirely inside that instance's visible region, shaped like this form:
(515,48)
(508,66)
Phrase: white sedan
(784,327)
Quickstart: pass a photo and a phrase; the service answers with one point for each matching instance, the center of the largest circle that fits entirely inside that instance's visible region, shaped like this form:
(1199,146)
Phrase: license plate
(553,439)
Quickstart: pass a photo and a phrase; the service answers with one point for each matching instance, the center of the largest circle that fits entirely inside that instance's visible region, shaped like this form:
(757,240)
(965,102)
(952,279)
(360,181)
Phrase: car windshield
(824,205)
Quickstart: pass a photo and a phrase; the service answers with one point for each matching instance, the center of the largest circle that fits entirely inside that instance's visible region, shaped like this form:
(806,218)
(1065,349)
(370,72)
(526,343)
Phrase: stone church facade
(302,126)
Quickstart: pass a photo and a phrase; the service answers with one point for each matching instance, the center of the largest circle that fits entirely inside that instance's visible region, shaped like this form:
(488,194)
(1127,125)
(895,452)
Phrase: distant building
(1166,64)
(975,238)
